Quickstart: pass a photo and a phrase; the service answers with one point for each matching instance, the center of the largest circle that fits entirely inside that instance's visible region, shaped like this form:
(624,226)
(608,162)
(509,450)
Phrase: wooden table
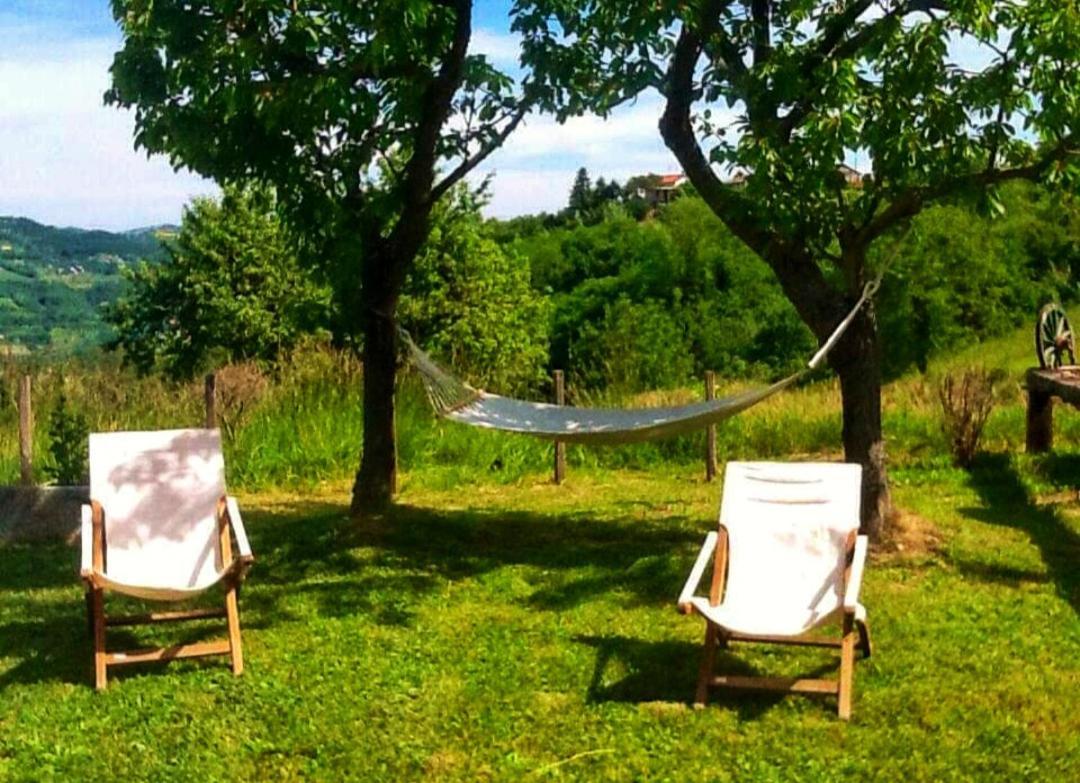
(1043,385)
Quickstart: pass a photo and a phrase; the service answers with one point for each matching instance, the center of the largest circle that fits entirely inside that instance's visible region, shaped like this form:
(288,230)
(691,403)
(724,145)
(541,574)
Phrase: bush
(231,291)
(966,403)
(469,301)
(69,432)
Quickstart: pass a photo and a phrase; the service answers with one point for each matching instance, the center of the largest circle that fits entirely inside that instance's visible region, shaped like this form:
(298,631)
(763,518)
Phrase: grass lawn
(528,632)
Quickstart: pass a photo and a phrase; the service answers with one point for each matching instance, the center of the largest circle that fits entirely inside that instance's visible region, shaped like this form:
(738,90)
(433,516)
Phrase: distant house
(853,177)
(738,177)
(658,188)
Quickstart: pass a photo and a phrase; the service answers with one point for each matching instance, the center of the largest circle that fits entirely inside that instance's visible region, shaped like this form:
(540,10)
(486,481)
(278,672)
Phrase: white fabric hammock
(455,400)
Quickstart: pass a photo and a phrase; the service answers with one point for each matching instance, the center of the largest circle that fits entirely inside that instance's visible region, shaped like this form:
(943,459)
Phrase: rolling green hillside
(54,280)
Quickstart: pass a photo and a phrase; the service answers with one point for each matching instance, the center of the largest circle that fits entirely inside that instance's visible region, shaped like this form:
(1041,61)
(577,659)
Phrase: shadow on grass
(668,671)
(38,566)
(1006,502)
(413,549)
(313,559)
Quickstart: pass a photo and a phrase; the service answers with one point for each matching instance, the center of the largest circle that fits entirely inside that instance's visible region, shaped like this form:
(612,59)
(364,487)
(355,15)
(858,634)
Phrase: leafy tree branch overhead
(786,91)
(361,115)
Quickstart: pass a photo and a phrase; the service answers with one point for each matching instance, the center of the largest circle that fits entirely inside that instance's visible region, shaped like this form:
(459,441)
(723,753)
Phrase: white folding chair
(787,559)
(160,527)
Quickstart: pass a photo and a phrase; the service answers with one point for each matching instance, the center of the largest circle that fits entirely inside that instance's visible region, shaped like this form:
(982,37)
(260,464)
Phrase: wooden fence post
(560,447)
(210,398)
(710,431)
(1040,421)
(26,433)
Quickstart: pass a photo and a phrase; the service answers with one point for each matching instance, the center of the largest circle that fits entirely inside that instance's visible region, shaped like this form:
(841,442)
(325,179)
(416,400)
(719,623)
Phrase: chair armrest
(86,534)
(854,581)
(237,525)
(696,572)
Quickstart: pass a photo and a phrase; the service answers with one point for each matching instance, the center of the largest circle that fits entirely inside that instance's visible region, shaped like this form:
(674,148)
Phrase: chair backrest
(159,491)
(789,526)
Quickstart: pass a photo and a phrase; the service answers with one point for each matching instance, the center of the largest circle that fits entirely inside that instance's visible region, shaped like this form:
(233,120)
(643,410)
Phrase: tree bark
(376,480)
(857,362)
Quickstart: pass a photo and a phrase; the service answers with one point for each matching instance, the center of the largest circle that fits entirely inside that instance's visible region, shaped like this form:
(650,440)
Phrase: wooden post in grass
(1040,421)
(710,431)
(210,398)
(560,447)
(26,433)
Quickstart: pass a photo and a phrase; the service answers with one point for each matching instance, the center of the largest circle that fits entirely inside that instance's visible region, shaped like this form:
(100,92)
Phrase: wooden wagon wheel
(1054,338)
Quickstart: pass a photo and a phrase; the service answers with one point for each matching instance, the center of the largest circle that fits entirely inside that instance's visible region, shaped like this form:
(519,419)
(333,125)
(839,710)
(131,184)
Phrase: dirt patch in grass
(909,535)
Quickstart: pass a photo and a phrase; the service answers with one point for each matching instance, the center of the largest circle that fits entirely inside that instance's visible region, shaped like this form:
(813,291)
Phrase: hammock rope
(453,399)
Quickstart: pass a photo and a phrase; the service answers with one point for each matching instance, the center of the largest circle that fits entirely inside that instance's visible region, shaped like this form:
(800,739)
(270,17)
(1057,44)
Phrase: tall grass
(305,427)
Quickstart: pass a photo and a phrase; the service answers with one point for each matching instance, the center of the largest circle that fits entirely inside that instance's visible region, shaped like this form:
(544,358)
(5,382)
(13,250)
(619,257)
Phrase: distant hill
(53,281)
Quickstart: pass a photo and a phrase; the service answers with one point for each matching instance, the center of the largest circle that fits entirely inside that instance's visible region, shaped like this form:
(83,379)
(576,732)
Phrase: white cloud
(67,159)
(502,49)
(533,172)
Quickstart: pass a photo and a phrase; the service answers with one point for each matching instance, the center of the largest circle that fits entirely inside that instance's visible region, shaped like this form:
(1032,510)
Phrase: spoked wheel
(1054,338)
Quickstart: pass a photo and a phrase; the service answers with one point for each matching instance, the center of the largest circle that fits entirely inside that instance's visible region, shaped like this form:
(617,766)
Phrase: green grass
(520,631)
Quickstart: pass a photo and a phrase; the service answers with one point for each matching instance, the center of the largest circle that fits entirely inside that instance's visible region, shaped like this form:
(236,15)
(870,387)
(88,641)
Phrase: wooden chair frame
(235,570)
(854,632)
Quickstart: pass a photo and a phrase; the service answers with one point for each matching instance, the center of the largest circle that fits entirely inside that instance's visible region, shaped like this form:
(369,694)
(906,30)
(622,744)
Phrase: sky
(67,159)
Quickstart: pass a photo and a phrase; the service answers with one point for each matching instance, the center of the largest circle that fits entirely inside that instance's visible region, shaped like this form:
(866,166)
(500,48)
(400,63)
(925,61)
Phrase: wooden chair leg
(847,669)
(708,658)
(865,644)
(232,617)
(90,614)
(97,623)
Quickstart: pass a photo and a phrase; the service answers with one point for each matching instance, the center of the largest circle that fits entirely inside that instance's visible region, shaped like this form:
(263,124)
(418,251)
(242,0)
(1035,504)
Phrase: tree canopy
(785,91)
(361,115)
(939,97)
(231,290)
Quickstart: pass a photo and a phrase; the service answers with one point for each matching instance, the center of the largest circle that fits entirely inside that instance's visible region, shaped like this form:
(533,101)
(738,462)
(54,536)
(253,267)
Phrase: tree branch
(834,46)
(678,133)
(470,163)
(911,201)
(410,230)
(761,11)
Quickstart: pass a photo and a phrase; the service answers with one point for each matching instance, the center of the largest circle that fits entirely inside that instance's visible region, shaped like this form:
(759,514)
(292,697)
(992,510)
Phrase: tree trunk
(376,481)
(857,361)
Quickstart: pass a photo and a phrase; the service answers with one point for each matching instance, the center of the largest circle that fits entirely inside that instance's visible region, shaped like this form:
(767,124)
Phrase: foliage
(967,399)
(469,300)
(232,291)
(315,98)
(53,281)
(581,192)
(701,300)
(68,438)
(785,91)
(237,388)
(961,276)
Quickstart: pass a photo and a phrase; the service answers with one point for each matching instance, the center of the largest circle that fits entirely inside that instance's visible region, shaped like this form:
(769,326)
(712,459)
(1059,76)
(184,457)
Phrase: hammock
(455,400)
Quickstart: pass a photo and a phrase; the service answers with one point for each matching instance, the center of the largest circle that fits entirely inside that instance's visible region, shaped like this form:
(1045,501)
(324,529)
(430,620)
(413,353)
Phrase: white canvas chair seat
(160,526)
(786,560)
(745,620)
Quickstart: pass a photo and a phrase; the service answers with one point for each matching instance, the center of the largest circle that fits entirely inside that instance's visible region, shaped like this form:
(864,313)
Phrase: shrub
(239,387)
(68,444)
(966,403)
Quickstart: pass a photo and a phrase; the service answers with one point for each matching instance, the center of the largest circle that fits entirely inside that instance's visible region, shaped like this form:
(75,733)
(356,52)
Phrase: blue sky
(66,159)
